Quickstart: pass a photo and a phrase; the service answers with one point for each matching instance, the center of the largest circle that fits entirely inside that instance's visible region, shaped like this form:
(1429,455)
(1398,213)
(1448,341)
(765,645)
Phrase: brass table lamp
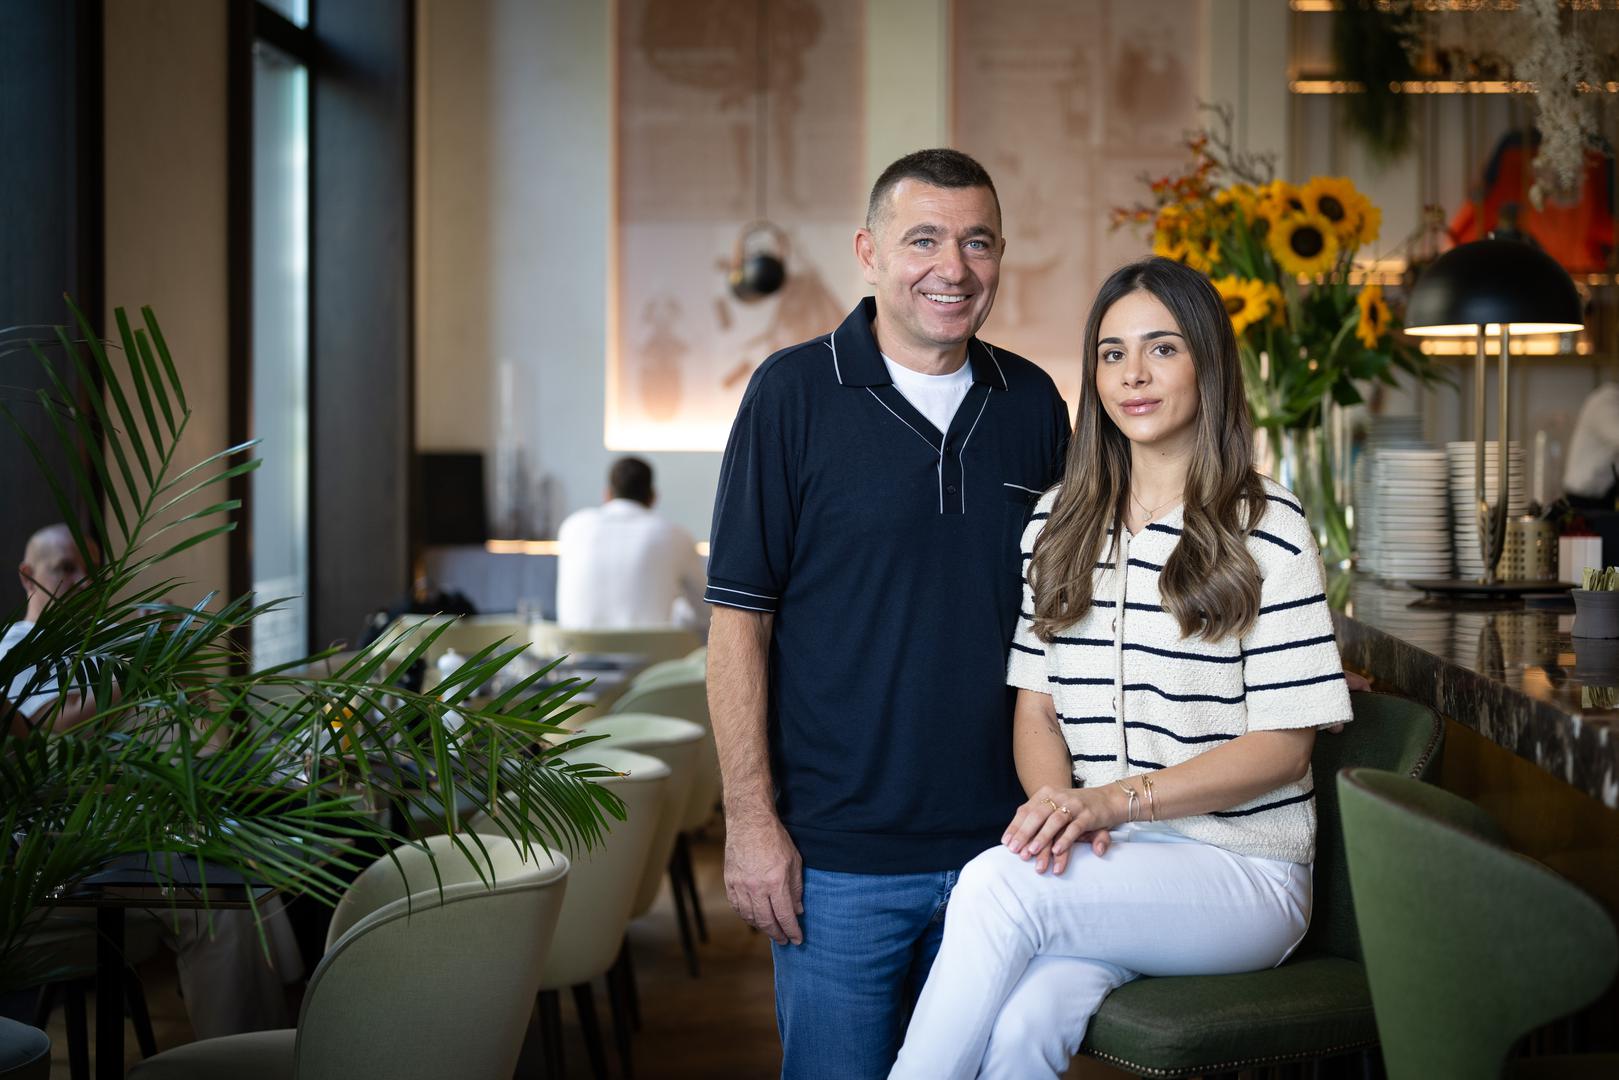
(1489,288)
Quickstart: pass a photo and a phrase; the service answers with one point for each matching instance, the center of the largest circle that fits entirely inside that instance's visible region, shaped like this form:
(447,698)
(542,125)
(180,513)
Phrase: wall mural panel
(691,127)
(1067,105)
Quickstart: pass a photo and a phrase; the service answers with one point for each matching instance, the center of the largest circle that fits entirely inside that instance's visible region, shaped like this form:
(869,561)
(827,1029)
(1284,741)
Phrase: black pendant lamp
(1493,288)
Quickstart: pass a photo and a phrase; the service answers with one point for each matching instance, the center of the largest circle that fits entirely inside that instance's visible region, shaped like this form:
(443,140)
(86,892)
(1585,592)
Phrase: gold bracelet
(1152,800)
(1134,798)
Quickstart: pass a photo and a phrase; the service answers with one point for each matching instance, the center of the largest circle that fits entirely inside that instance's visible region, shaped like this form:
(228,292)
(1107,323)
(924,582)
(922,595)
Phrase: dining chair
(418,982)
(25,1052)
(1316,1004)
(1469,946)
(677,743)
(651,643)
(602,887)
(685,696)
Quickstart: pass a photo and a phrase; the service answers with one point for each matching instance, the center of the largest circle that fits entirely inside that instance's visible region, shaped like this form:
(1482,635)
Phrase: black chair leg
(531,1059)
(682,916)
(551,1031)
(139,1015)
(623,970)
(78,1032)
(689,872)
(584,1003)
(46,1004)
(619,992)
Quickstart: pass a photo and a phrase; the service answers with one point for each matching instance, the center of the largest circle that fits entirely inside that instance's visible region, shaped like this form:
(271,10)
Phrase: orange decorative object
(1578,236)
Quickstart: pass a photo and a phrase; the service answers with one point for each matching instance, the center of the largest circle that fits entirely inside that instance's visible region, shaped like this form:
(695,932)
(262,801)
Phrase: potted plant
(190,751)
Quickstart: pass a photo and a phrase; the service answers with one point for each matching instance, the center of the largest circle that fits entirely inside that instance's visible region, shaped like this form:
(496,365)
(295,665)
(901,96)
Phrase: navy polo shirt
(888,553)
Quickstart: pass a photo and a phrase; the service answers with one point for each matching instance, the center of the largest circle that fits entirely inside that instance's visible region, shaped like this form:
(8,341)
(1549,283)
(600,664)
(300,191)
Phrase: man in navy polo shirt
(865,577)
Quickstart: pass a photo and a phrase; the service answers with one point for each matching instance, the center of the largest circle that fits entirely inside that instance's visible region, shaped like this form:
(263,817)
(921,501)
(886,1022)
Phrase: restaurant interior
(322,316)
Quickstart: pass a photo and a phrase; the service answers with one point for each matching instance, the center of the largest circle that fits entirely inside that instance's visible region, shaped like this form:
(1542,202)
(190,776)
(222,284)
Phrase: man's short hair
(939,167)
(631,478)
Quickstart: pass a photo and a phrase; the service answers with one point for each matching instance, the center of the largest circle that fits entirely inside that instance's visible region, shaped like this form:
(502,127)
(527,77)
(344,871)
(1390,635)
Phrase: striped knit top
(1134,696)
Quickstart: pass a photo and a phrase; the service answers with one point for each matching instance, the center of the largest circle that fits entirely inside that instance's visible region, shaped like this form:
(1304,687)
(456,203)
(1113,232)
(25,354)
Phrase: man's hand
(764,876)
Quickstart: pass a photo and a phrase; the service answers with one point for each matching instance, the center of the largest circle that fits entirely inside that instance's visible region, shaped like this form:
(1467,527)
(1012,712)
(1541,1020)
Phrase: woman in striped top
(1173,660)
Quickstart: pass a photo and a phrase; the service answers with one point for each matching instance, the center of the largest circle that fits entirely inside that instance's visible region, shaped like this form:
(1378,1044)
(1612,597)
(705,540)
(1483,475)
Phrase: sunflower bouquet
(1308,328)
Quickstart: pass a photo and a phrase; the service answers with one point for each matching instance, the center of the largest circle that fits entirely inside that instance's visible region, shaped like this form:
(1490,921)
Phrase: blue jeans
(844,996)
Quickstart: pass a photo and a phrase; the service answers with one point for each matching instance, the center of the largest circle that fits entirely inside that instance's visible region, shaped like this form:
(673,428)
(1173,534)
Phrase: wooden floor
(722,1024)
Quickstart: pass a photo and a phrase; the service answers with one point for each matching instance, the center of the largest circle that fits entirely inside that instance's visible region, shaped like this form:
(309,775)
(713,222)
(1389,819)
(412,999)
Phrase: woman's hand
(1047,827)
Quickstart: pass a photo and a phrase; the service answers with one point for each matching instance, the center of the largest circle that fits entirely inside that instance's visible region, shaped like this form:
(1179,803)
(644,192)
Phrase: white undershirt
(934,396)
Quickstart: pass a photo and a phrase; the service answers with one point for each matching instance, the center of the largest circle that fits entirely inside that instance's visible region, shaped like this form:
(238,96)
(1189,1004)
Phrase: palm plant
(277,774)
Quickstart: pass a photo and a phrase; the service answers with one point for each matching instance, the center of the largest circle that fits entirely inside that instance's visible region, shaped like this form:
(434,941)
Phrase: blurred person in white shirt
(623,566)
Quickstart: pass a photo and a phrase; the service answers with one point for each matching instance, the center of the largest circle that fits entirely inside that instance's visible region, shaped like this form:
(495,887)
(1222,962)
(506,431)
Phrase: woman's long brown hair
(1210,582)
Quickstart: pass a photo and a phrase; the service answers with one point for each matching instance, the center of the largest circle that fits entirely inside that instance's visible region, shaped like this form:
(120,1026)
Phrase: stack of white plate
(1464,498)
(1400,518)
(1384,431)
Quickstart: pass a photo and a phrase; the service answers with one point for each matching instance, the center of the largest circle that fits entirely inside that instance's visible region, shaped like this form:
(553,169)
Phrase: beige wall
(165,213)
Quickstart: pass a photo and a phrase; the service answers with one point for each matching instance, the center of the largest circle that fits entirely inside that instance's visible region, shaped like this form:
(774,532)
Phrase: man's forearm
(738,677)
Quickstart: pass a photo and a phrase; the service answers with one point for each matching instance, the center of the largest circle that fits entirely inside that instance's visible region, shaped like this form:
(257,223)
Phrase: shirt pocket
(1019,502)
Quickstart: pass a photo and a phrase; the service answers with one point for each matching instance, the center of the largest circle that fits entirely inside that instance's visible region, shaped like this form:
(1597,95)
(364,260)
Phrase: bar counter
(1516,677)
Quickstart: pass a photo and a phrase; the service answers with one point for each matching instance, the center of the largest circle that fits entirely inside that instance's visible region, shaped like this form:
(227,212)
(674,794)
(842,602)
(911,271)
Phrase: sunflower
(1277,302)
(1334,198)
(1238,197)
(1369,221)
(1202,251)
(1304,244)
(1374,315)
(1246,300)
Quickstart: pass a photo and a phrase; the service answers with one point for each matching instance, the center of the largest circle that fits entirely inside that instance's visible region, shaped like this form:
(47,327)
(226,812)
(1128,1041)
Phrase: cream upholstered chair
(602,886)
(653,643)
(415,983)
(678,744)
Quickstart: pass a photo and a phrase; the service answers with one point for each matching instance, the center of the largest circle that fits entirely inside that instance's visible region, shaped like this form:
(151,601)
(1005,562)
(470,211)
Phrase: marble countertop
(1516,676)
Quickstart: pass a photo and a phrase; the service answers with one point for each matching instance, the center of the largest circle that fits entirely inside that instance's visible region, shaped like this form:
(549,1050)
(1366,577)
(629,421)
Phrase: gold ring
(1060,809)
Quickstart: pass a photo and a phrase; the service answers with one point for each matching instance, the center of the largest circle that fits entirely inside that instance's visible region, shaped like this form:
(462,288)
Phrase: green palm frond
(288,775)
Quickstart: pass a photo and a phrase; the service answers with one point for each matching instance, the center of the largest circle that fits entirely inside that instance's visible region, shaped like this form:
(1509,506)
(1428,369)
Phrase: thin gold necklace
(1148,515)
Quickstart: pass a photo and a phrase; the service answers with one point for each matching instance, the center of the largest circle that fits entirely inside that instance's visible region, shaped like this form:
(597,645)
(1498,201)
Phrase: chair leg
(619,991)
(689,872)
(551,1030)
(584,1003)
(78,1032)
(46,1004)
(682,916)
(624,970)
(531,1059)
(139,1015)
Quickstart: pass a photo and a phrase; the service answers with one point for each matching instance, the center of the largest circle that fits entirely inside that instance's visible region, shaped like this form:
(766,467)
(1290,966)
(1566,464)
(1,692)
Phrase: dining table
(165,882)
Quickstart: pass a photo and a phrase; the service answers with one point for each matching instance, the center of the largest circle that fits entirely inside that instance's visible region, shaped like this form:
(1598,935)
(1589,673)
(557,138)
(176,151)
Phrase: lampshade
(1490,282)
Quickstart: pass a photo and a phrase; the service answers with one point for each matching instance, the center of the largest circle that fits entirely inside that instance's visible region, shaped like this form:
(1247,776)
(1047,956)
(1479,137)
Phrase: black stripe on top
(1027,649)
(1145,565)
(1131,605)
(1149,687)
(1286,645)
(1103,642)
(1170,529)
(1071,680)
(1277,540)
(1177,737)
(1289,684)
(1041,516)
(1306,797)
(1290,504)
(1142,764)
(1090,757)
(1285,605)
(1077,721)
(1173,654)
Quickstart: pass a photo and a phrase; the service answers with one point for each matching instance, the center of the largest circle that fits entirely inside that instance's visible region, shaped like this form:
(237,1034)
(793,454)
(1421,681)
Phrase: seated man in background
(621,566)
(51,565)
(228,983)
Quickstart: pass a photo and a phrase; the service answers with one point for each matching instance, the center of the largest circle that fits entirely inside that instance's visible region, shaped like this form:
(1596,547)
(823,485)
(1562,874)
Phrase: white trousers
(1027,958)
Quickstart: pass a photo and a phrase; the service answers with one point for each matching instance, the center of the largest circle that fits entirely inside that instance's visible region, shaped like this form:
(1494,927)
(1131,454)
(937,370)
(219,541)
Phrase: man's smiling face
(934,260)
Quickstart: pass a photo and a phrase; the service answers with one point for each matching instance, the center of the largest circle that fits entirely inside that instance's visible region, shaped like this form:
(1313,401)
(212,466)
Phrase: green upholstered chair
(1317,1004)
(1468,945)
